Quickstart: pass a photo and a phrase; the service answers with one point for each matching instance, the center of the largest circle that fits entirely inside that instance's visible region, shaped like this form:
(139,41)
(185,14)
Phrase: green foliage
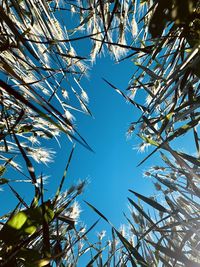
(37,61)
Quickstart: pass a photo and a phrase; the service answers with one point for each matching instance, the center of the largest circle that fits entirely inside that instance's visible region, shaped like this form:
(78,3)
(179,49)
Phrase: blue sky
(111,169)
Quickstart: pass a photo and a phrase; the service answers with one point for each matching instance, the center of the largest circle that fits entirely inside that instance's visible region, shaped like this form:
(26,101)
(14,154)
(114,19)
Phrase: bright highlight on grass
(41,92)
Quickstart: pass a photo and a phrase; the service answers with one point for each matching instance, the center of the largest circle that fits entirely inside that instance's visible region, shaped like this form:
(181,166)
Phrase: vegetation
(41,71)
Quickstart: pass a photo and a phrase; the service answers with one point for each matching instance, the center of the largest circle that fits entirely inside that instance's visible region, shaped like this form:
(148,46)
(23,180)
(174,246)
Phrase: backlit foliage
(40,88)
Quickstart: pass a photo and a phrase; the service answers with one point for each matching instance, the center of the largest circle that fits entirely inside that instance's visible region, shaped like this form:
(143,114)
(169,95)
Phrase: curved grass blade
(141,211)
(97,211)
(90,264)
(149,201)
(64,175)
(30,170)
(175,254)
(132,251)
(18,197)
(142,108)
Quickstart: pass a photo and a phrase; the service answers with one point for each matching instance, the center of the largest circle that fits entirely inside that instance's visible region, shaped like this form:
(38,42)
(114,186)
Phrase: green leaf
(25,222)
(30,229)
(18,220)
(2,170)
(149,140)
(42,262)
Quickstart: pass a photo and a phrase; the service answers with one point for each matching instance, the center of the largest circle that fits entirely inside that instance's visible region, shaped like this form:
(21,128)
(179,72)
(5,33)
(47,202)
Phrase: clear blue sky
(112,169)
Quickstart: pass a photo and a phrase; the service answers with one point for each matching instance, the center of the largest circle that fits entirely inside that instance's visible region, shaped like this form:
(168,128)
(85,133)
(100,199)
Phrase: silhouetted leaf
(149,201)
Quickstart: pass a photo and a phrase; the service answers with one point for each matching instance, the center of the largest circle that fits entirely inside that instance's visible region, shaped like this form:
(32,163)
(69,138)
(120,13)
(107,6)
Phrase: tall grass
(41,72)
